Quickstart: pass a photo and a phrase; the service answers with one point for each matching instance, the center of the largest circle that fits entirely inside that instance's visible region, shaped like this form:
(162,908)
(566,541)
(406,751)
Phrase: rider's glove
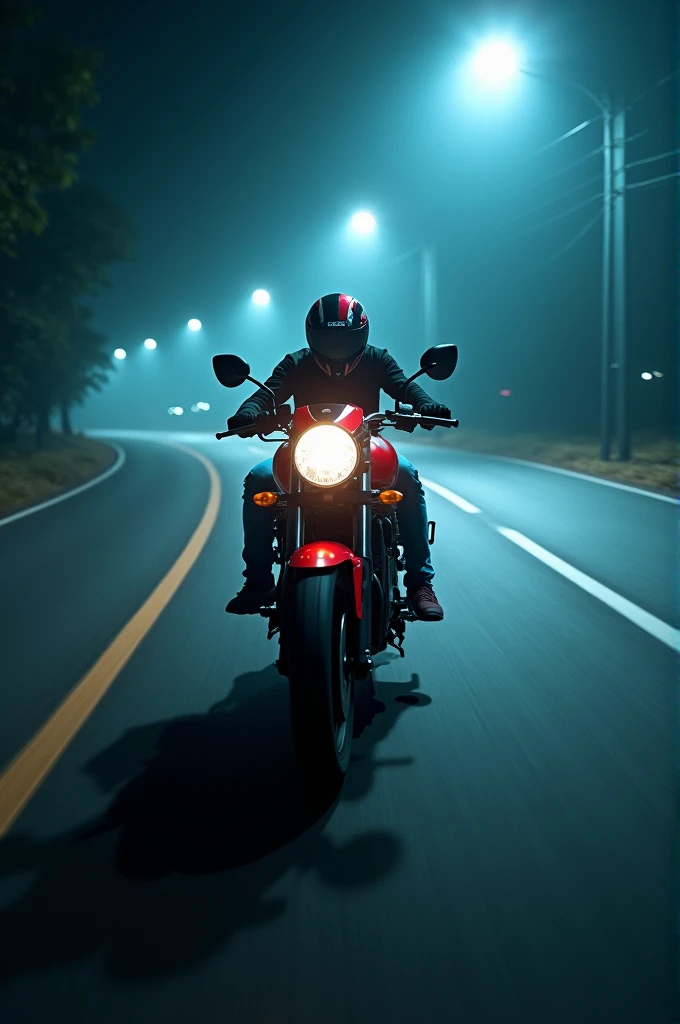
(241,419)
(434,409)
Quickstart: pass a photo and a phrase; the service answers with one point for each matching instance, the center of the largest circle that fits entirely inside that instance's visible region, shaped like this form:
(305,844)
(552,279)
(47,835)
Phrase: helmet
(337,333)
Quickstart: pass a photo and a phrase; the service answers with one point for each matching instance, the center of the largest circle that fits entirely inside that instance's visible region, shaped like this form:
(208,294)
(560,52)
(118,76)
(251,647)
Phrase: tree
(44,89)
(52,355)
(83,368)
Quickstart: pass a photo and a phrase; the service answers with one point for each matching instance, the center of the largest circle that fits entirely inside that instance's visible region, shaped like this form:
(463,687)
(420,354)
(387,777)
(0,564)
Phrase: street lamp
(261,297)
(150,344)
(496,62)
(364,223)
(194,325)
(120,353)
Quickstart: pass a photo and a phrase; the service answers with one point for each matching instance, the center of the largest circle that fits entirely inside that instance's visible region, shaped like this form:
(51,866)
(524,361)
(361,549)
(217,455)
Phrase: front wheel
(318,622)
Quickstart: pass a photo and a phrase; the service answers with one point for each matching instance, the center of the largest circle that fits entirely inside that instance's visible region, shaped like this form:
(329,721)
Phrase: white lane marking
(655,627)
(580,476)
(455,499)
(69,494)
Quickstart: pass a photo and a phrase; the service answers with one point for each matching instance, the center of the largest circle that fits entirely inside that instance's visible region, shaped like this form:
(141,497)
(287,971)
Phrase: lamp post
(364,223)
(497,62)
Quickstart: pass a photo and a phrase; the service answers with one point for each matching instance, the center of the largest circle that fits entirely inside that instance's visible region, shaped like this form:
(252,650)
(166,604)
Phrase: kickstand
(396,636)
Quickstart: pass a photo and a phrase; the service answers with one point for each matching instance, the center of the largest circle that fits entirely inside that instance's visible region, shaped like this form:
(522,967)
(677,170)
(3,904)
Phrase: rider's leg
(412,515)
(258,540)
(258,546)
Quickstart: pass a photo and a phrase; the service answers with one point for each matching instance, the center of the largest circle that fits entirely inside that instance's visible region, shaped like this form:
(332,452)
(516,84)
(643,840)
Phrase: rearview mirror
(231,371)
(440,361)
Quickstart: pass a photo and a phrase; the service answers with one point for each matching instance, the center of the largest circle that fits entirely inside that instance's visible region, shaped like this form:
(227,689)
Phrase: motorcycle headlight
(326,455)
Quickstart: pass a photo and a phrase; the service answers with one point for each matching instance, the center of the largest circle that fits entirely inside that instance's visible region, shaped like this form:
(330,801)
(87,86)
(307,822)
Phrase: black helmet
(337,333)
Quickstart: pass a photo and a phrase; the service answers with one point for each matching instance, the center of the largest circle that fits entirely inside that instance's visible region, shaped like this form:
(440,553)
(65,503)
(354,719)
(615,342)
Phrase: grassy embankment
(28,476)
(653,464)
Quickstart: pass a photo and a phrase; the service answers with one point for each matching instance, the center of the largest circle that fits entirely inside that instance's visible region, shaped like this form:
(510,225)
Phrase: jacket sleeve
(281,383)
(392,379)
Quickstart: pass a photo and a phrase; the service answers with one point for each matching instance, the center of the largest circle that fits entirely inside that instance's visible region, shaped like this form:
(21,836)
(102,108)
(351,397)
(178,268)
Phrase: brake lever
(280,421)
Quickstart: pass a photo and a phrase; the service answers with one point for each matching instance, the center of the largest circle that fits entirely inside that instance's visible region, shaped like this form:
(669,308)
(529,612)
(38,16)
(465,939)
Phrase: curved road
(503,848)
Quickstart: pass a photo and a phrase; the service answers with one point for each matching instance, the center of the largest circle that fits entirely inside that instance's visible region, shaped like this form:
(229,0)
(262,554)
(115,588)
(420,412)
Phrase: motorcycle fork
(361,545)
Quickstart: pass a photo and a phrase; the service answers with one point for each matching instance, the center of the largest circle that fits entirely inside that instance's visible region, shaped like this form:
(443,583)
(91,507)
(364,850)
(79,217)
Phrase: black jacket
(298,376)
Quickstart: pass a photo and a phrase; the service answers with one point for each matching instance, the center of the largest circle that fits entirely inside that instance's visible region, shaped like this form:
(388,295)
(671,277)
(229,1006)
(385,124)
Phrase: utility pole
(605,418)
(429,284)
(619,284)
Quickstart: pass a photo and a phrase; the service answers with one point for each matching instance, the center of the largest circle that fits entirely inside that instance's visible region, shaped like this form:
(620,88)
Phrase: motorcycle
(336,542)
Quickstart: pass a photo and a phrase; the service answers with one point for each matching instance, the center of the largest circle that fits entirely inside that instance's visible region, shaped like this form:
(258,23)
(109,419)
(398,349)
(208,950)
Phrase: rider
(338,366)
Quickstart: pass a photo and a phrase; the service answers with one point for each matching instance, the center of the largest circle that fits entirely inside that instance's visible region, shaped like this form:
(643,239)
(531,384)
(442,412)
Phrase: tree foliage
(48,333)
(58,236)
(44,90)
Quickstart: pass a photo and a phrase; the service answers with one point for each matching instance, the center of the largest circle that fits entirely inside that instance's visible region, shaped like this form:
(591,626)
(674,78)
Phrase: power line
(567,135)
(570,245)
(654,181)
(554,199)
(560,216)
(586,156)
(651,159)
(652,88)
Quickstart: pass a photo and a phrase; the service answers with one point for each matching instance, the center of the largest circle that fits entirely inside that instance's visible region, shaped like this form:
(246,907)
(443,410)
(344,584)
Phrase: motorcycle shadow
(223,789)
(219,795)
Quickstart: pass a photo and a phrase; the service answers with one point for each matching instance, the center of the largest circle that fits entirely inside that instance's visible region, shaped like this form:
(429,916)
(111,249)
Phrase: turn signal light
(390,497)
(265,498)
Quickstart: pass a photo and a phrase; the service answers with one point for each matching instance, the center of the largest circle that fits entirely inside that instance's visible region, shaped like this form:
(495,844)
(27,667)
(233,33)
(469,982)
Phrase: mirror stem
(405,385)
(264,388)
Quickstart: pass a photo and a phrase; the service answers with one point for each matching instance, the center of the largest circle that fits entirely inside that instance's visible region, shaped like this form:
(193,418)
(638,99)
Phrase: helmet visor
(337,342)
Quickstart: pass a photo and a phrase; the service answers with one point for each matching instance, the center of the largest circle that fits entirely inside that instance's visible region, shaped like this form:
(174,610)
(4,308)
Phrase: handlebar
(400,421)
(408,421)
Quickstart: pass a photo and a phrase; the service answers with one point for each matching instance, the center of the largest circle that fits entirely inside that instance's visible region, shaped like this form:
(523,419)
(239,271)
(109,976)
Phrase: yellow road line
(29,769)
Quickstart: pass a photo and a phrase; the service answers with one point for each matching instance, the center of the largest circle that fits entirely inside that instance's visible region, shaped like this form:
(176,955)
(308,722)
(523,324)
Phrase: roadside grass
(28,476)
(654,462)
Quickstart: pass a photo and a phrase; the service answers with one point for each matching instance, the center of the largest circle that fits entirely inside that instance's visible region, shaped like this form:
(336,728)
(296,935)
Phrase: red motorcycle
(336,540)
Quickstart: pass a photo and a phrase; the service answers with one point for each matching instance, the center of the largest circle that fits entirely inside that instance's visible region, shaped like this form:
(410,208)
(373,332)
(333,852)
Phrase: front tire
(318,619)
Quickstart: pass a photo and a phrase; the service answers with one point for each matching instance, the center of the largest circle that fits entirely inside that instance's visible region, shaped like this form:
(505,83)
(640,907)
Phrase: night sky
(240,140)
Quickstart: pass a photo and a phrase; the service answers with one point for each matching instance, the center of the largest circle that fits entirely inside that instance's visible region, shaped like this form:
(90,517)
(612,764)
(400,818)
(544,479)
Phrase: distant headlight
(326,455)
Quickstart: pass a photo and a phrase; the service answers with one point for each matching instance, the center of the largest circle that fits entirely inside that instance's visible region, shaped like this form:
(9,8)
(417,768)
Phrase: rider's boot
(255,594)
(424,603)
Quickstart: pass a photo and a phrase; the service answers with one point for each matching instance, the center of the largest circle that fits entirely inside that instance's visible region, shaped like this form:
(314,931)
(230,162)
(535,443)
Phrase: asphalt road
(504,846)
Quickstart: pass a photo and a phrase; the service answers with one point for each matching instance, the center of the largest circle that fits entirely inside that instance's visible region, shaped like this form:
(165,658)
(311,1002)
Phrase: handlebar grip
(439,421)
(237,431)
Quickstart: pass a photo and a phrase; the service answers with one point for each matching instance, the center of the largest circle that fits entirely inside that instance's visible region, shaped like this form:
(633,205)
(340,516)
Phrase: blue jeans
(411,512)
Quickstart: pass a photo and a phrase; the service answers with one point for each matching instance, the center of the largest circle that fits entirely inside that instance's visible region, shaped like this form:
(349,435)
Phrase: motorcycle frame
(292,538)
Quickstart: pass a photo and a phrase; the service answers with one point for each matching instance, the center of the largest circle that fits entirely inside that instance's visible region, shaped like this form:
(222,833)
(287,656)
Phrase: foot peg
(407,613)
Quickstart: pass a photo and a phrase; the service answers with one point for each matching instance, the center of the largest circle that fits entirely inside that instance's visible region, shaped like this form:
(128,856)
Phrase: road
(503,848)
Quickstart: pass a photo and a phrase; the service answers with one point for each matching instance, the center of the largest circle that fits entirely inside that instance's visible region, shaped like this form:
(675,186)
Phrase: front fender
(326,555)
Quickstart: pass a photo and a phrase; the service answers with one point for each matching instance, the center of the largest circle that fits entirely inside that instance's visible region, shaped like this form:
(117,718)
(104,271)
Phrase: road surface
(503,848)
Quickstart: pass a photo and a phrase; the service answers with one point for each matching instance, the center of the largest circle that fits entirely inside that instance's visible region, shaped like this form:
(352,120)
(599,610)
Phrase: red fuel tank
(384,463)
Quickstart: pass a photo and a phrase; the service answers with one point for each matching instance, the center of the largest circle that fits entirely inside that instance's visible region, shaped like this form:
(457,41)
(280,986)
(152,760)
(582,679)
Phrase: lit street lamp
(364,223)
(496,63)
(194,325)
(261,297)
(120,353)
(150,344)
